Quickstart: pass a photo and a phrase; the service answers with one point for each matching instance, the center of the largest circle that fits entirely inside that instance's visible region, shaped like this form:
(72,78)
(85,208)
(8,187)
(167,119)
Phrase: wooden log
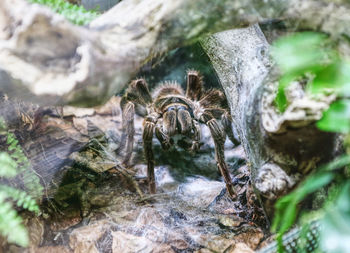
(46,59)
(281,147)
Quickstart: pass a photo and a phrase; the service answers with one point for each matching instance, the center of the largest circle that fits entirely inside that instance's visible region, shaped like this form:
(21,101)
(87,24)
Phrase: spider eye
(181,107)
(171,108)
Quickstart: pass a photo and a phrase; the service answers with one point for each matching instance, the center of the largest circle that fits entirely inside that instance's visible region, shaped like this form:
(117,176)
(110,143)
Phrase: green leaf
(281,99)
(286,207)
(300,52)
(8,167)
(297,55)
(337,163)
(336,118)
(11,224)
(335,234)
(312,184)
(289,202)
(21,198)
(289,216)
(334,76)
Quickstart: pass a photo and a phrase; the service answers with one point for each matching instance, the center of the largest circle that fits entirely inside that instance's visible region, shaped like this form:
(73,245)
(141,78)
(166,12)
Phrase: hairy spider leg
(215,103)
(212,105)
(194,85)
(219,141)
(226,121)
(127,137)
(137,94)
(196,128)
(147,136)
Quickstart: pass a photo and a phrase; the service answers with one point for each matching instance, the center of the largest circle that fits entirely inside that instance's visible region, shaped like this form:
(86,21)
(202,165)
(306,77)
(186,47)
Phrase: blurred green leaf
(281,99)
(312,184)
(289,202)
(307,54)
(287,206)
(336,118)
(333,76)
(11,224)
(8,167)
(335,234)
(297,55)
(300,52)
(15,163)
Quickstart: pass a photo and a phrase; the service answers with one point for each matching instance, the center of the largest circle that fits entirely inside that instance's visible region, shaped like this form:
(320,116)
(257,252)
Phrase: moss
(74,13)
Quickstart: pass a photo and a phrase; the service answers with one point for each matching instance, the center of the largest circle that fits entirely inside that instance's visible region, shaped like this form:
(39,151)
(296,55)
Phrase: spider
(171,113)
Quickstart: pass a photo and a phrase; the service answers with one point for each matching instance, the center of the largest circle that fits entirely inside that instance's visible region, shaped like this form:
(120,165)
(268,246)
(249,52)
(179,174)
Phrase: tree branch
(54,62)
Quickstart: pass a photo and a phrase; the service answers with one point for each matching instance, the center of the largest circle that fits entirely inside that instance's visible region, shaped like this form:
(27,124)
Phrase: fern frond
(15,163)
(21,198)
(8,167)
(11,224)
(30,179)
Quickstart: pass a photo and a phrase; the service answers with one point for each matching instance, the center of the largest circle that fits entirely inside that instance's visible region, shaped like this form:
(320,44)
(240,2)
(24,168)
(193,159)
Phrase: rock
(83,239)
(100,200)
(128,243)
(176,238)
(203,251)
(35,230)
(65,222)
(251,237)
(215,243)
(149,217)
(124,217)
(230,222)
(81,125)
(162,174)
(200,191)
(77,112)
(50,249)
(163,248)
(239,248)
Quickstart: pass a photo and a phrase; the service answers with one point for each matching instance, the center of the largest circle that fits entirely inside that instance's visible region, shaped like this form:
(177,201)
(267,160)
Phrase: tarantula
(169,113)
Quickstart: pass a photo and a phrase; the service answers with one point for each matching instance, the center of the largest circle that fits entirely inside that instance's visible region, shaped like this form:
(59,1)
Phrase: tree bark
(281,147)
(48,60)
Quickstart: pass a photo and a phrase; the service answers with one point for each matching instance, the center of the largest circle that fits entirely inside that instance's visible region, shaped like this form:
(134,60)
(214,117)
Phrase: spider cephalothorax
(170,112)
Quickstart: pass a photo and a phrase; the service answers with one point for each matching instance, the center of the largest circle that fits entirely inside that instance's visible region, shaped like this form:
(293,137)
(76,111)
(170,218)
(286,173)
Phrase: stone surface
(84,238)
(127,243)
(96,208)
(240,248)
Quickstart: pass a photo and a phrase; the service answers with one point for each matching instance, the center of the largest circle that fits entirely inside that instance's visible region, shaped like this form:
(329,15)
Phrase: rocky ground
(95,205)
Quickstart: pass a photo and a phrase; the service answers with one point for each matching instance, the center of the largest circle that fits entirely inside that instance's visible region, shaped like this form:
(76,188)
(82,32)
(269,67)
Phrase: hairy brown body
(169,112)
